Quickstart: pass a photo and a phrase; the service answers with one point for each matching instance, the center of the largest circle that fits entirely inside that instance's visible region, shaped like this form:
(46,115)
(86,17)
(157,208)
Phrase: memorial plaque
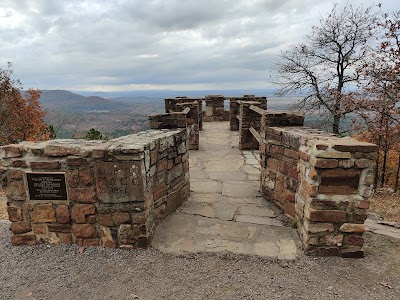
(46,186)
(119,182)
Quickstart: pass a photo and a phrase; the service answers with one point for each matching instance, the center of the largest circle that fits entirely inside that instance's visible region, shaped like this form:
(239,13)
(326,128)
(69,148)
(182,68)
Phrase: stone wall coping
(322,140)
(133,143)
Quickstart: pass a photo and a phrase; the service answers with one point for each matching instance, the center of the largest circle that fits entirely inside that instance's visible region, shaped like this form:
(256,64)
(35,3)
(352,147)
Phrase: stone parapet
(186,115)
(248,119)
(215,110)
(321,181)
(116,191)
(172,105)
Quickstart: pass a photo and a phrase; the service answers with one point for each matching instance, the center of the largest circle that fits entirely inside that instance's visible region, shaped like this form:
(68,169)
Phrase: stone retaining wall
(117,191)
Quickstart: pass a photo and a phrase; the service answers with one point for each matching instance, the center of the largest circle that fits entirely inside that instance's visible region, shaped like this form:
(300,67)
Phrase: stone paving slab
(225,211)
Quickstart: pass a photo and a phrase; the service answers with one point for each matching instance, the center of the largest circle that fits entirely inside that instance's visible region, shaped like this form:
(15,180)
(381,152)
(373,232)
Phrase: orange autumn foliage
(21,117)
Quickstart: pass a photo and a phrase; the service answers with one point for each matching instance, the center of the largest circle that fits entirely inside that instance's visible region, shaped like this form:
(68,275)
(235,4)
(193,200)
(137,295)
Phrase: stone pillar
(192,123)
(171,106)
(321,181)
(335,182)
(248,119)
(234,105)
(215,110)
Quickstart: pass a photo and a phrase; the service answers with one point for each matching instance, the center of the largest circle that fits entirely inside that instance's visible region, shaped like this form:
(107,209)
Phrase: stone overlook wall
(183,115)
(234,104)
(215,110)
(116,191)
(319,180)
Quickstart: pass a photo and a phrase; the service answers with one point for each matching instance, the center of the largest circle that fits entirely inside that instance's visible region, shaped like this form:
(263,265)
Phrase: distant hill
(61,100)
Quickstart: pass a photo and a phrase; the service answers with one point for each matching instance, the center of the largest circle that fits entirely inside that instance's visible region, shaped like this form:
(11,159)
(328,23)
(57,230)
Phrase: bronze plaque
(46,186)
(119,182)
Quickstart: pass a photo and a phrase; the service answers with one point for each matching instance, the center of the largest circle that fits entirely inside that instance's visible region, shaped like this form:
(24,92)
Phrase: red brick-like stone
(139,218)
(73,178)
(355,147)
(91,219)
(27,239)
(45,165)
(334,216)
(363,163)
(90,242)
(160,212)
(290,209)
(153,156)
(39,228)
(66,238)
(43,213)
(339,181)
(65,228)
(86,176)
(364,204)
(290,196)
(12,151)
(353,240)
(16,191)
(20,227)
(82,195)
(14,213)
(120,218)
(80,211)
(84,230)
(62,213)
(324,163)
(170,164)
(304,156)
(160,191)
(352,228)
(321,146)
(105,220)
(291,153)
(75,161)
(16,174)
(128,234)
(19,164)
(162,165)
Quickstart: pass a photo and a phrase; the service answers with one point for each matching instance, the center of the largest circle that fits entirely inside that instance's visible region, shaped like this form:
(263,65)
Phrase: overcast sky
(116,45)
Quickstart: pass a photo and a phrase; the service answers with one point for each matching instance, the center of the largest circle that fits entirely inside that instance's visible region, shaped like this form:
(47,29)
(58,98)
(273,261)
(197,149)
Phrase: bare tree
(320,69)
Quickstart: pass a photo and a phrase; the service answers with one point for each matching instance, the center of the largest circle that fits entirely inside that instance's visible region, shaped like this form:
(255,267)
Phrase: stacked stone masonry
(117,190)
(319,180)
(234,104)
(172,105)
(215,109)
(184,115)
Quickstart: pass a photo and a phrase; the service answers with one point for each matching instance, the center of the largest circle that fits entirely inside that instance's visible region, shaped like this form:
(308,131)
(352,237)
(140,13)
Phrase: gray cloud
(124,44)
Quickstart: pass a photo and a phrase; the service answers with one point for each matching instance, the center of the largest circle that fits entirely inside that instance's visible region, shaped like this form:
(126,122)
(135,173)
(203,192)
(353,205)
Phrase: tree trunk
(336,120)
(385,151)
(396,186)
(377,169)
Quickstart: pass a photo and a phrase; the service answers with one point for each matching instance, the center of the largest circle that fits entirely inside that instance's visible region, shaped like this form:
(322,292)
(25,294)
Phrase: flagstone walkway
(225,211)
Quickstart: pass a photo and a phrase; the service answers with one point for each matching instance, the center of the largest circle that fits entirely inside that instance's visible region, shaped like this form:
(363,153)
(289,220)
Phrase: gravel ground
(68,272)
